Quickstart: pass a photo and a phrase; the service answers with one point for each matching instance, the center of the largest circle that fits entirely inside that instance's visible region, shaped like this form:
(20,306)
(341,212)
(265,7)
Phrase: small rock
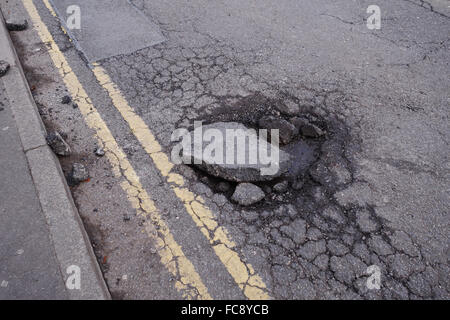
(126,217)
(58,145)
(286,130)
(223,187)
(13,25)
(281,187)
(79,173)
(247,194)
(75,105)
(289,108)
(4,67)
(306,128)
(66,100)
(99,152)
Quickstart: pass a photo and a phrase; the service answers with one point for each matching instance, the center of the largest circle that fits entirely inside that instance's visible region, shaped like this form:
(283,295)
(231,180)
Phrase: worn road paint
(243,273)
(187,280)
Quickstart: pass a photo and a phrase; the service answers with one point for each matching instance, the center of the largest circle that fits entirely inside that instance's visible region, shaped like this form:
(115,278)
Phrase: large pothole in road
(312,163)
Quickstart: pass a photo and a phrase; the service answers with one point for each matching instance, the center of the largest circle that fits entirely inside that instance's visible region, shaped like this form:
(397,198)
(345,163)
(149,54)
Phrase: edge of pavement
(69,237)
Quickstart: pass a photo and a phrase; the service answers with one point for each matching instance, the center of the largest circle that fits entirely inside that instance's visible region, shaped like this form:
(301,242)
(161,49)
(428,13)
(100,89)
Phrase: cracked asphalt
(376,193)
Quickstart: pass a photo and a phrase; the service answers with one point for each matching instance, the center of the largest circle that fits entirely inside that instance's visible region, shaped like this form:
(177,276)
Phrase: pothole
(315,145)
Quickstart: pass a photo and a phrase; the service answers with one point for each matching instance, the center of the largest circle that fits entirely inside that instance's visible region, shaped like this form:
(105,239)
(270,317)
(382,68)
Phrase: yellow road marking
(243,273)
(187,282)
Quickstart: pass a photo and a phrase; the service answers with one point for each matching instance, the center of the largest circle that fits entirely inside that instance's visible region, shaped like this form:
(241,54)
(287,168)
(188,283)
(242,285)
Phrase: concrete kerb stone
(67,232)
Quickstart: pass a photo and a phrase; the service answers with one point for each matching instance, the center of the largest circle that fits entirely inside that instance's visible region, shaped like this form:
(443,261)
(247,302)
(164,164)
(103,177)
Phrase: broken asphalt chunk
(247,194)
(66,100)
(58,144)
(16,25)
(99,152)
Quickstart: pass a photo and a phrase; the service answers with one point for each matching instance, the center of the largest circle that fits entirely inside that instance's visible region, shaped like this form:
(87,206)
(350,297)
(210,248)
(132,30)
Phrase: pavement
(41,231)
(376,197)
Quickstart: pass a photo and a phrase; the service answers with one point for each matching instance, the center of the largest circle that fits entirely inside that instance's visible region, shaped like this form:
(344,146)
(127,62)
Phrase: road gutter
(70,240)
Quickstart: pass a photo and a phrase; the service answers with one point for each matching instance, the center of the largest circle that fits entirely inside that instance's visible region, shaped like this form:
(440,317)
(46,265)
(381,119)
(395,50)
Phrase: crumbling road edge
(70,240)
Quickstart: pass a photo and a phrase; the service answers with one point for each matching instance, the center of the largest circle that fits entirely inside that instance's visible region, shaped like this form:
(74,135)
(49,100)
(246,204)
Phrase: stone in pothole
(306,128)
(233,152)
(247,194)
(286,130)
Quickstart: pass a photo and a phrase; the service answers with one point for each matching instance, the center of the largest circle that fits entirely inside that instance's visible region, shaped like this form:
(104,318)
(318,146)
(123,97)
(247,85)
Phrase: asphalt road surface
(376,195)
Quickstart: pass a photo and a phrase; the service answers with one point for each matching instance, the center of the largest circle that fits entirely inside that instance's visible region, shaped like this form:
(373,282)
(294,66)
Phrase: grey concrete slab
(109,27)
(28,265)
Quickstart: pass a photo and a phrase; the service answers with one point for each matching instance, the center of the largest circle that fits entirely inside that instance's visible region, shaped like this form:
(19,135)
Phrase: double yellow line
(188,281)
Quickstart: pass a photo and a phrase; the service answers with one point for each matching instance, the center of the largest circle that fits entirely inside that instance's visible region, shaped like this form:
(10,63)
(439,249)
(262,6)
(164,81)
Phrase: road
(377,194)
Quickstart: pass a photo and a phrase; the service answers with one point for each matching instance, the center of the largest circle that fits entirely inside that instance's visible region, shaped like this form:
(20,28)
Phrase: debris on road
(13,25)
(247,194)
(281,187)
(289,108)
(66,100)
(287,130)
(79,173)
(99,152)
(4,67)
(58,144)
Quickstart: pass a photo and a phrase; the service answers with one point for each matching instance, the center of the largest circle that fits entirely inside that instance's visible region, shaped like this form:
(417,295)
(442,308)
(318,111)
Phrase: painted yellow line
(243,273)
(187,282)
